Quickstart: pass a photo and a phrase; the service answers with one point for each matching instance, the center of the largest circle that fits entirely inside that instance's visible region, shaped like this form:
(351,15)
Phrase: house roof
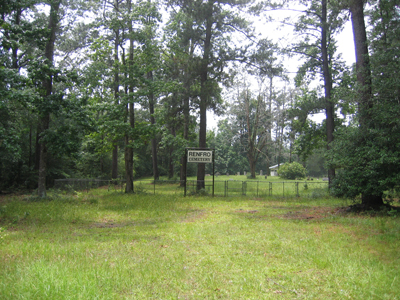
(274,167)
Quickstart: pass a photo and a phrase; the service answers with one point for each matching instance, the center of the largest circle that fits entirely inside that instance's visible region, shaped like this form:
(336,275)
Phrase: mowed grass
(108,245)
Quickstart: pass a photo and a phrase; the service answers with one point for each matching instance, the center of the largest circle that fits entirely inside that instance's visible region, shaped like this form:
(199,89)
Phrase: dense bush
(292,171)
(369,157)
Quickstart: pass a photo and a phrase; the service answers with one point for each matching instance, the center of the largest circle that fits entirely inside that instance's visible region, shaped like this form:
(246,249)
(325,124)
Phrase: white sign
(199,156)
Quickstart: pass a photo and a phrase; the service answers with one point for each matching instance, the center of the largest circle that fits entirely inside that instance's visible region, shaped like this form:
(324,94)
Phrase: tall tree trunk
(44,125)
(252,164)
(251,135)
(114,163)
(129,187)
(201,167)
(156,173)
(329,105)
(280,130)
(269,132)
(362,60)
(186,112)
(280,144)
(364,81)
(185,134)
(48,87)
(204,98)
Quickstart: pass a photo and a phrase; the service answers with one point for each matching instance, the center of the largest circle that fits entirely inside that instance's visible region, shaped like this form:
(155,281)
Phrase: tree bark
(44,122)
(362,60)
(186,114)
(329,105)
(251,135)
(269,132)
(114,166)
(204,98)
(129,187)
(371,201)
(114,163)
(364,82)
(48,87)
(201,168)
(156,173)
(185,134)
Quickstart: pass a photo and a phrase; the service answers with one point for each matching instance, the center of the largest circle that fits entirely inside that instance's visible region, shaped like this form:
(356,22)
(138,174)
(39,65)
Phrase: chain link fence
(224,188)
(79,184)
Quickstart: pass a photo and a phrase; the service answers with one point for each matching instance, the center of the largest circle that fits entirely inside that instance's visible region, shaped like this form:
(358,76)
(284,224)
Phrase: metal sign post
(200,156)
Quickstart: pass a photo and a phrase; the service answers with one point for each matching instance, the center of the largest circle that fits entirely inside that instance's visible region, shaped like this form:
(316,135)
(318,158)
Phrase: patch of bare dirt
(109,224)
(315,213)
(246,211)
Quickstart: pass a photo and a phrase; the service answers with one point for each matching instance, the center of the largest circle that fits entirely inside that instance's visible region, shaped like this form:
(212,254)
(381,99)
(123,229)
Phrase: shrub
(292,171)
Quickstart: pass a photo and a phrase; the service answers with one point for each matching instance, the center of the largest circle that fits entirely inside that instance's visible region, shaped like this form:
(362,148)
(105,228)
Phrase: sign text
(199,156)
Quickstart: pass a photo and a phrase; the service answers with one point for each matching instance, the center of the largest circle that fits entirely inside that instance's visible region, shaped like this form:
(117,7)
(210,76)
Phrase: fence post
(283,188)
(297,189)
(225,188)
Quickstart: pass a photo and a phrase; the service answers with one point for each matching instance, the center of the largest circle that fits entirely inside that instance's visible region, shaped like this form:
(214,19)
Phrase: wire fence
(228,188)
(223,188)
(79,184)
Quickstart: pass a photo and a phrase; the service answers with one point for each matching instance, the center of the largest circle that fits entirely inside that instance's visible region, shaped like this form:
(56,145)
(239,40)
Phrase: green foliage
(309,22)
(316,163)
(369,153)
(292,170)
(385,47)
(369,158)
(312,137)
(230,156)
(87,116)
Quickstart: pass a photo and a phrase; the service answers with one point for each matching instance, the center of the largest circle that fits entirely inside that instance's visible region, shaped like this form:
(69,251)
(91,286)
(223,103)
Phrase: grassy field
(108,245)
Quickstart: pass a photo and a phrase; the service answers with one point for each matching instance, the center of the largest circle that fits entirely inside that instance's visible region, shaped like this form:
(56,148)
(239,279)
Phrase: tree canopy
(118,89)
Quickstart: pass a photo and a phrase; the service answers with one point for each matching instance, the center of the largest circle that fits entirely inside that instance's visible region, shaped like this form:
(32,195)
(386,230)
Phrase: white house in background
(274,170)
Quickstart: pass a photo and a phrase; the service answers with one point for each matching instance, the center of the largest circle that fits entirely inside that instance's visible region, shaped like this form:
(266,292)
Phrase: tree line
(118,89)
